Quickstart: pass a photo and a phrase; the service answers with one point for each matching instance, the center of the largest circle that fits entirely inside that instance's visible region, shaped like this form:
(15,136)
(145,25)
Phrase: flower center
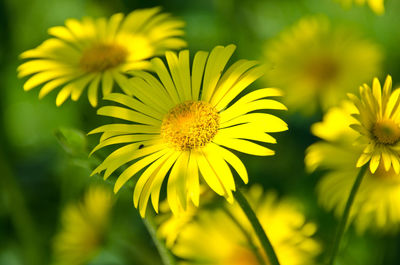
(101,57)
(323,70)
(386,132)
(190,125)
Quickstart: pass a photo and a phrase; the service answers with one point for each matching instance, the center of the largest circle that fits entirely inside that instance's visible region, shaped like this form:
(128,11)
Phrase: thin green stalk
(166,255)
(262,236)
(253,247)
(346,213)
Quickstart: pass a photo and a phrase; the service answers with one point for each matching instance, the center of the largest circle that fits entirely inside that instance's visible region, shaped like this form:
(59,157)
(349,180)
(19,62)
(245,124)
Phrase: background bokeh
(39,175)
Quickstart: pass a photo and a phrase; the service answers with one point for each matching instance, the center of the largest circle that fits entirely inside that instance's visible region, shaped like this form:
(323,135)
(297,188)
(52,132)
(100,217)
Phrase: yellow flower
(83,228)
(377,203)
(376,5)
(317,63)
(181,123)
(378,124)
(214,238)
(97,53)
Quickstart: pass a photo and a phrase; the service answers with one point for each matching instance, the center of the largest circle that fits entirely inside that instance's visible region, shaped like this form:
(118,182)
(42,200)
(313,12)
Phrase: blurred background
(43,149)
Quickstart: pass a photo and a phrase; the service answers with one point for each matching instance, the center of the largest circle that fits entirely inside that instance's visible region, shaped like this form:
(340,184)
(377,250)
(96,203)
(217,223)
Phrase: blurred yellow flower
(171,225)
(376,5)
(97,53)
(84,227)
(378,123)
(214,238)
(183,122)
(317,63)
(377,203)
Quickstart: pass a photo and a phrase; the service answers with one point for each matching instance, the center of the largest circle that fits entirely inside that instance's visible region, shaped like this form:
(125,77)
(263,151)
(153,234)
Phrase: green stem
(166,255)
(253,247)
(346,213)
(262,236)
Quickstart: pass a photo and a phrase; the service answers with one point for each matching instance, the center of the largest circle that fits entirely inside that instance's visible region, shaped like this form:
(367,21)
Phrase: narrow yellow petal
(233,160)
(243,146)
(199,63)
(246,79)
(136,167)
(107,83)
(135,105)
(374,163)
(123,139)
(163,74)
(127,114)
(93,90)
(208,174)
(155,189)
(230,77)
(193,180)
(64,93)
(216,63)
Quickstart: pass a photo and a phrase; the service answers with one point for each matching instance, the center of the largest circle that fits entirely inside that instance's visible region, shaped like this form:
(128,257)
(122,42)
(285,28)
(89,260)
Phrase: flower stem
(166,256)
(346,213)
(262,236)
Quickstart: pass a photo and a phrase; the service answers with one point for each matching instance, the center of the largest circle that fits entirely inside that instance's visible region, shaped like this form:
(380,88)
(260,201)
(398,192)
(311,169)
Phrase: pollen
(386,132)
(101,57)
(190,125)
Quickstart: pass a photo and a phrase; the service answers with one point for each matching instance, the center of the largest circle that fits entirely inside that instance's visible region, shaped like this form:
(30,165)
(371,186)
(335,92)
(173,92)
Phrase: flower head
(378,123)
(377,204)
(182,123)
(97,53)
(214,238)
(376,5)
(317,63)
(84,227)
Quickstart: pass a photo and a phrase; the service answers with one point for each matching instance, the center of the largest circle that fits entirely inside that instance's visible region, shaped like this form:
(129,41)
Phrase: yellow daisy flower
(317,63)
(83,228)
(377,203)
(183,122)
(97,53)
(378,123)
(214,238)
(376,5)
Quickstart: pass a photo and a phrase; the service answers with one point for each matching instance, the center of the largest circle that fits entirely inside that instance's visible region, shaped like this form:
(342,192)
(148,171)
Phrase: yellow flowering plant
(188,131)
(83,227)
(98,53)
(316,63)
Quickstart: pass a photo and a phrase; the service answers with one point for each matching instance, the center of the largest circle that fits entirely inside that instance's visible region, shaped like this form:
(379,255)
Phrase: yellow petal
(199,63)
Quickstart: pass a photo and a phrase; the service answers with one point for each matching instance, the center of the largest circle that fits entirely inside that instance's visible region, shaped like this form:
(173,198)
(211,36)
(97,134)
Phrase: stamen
(386,132)
(101,57)
(190,125)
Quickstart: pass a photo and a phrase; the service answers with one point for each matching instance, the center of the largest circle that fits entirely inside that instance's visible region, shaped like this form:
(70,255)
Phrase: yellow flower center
(101,57)
(190,125)
(386,132)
